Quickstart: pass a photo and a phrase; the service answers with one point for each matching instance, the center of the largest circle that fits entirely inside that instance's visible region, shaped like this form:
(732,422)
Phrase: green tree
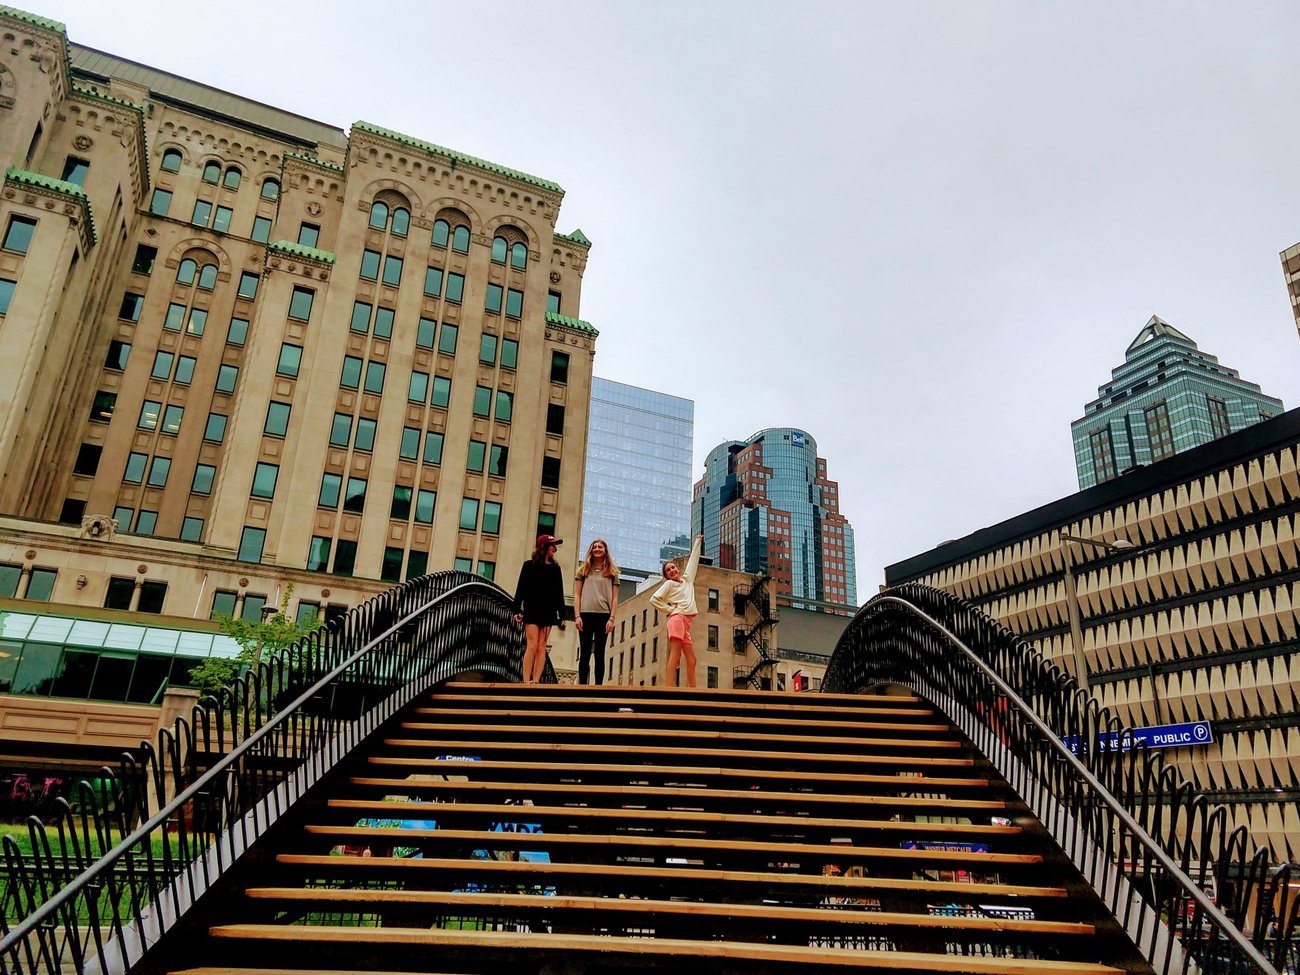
(254,638)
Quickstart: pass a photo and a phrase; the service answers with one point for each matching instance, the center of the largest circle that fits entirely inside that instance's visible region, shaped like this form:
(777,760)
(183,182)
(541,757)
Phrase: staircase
(560,829)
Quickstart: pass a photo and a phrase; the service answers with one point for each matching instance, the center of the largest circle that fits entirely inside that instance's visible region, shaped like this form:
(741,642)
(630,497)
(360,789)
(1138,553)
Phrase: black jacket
(540,593)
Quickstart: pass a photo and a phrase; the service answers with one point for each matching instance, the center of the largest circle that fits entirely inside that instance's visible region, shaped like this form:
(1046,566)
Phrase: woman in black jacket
(539,601)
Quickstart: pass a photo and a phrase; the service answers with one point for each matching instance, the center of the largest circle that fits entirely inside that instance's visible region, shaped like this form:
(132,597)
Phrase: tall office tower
(245,349)
(638,485)
(1167,397)
(766,505)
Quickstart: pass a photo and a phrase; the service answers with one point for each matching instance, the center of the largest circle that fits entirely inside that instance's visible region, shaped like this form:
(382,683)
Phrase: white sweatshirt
(677,596)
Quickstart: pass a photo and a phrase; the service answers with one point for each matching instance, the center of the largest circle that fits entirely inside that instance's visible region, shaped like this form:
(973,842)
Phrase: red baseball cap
(549,540)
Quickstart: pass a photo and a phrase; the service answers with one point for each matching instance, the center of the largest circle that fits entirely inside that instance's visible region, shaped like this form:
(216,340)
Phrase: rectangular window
(307,613)
(101,409)
(550,472)
(418,389)
(223,604)
(497,460)
(87,462)
(74,171)
(370,265)
(455,287)
(318,554)
(392,271)
(277,419)
(433,281)
(184,374)
(7,286)
(482,401)
(149,412)
(417,564)
(237,334)
(160,203)
(494,294)
(546,523)
(192,529)
(410,447)
(227,376)
(331,487)
(514,303)
(251,543)
(477,457)
(374,377)
(553,302)
(354,499)
(713,637)
(120,593)
(118,353)
(300,303)
(384,322)
(264,480)
(505,405)
(463,565)
(18,236)
(1219,424)
(447,339)
(204,475)
(441,395)
(351,376)
(132,306)
(433,448)
(221,220)
(162,365)
(198,321)
(491,517)
(261,230)
(215,429)
(488,570)
(341,430)
(144,259)
(1158,431)
(202,213)
(172,417)
(424,333)
(509,353)
(308,234)
(390,569)
(559,367)
(424,505)
(345,557)
(174,318)
(712,677)
(361,316)
(713,600)
(254,604)
(365,438)
(158,471)
(487,349)
(290,361)
(555,419)
(400,508)
(469,514)
(248,285)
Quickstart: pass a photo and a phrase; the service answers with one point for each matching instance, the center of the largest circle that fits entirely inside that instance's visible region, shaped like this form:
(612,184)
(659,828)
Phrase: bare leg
(674,654)
(535,651)
(688,655)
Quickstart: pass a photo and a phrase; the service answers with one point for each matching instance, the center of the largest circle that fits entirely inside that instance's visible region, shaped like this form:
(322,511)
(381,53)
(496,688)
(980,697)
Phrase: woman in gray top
(595,594)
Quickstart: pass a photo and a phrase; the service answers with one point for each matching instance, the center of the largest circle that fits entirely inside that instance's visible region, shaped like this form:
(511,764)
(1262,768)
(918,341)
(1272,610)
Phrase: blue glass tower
(637,494)
(1167,397)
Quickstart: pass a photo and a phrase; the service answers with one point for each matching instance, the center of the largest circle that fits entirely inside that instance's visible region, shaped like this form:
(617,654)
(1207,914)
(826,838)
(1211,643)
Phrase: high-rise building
(637,494)
(245,350)
(1167,397)
(765,505)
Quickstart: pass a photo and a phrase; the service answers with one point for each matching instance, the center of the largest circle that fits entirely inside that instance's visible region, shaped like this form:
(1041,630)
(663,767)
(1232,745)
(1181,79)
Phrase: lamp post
(1072,596)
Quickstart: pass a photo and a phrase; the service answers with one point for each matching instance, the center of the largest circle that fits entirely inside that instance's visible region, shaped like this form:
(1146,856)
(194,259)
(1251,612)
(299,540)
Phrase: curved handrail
(290,719)
(1115,811)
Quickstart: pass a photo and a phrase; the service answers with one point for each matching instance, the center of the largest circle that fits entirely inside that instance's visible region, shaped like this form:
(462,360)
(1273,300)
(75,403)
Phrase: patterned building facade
(1193,616)
(766,506)
(1167,397)
(245,351)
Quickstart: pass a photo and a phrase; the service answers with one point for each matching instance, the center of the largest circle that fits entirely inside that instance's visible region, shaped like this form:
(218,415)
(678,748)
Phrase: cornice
(55,191)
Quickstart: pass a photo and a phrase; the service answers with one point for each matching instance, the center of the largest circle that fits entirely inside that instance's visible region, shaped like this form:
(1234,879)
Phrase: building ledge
(301,250)
(313,161)
(577,237)
(573,324)
(59,187)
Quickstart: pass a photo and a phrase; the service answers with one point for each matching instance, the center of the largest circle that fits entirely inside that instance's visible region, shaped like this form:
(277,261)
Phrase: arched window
(379,215)
(208,277)
(519,255)
(441,233)
(460,240)
(185,273)
(212,172)
(231,180)
(270,188)
(171,161)
(499,246)
(401,221)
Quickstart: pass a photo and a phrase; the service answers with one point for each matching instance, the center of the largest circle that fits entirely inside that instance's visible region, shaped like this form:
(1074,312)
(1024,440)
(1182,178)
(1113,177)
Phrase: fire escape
(756,595)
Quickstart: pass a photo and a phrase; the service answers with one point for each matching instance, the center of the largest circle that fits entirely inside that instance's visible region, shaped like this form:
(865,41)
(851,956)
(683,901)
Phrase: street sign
(1157,736)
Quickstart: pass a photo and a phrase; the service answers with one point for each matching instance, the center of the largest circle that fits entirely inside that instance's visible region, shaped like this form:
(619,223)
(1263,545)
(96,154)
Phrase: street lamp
(1072,596)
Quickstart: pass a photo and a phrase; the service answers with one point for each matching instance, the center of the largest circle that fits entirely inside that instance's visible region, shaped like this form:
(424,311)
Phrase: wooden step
(797,705)
(608,948)
(370,900)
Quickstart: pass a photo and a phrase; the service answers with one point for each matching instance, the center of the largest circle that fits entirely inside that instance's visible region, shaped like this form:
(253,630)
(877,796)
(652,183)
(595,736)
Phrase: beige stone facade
(1199,620)
(244,349)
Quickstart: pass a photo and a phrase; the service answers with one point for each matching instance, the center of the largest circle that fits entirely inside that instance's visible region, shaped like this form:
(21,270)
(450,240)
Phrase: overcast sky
(923,232)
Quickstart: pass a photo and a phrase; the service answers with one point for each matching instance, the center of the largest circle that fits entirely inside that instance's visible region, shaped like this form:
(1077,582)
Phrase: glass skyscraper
(637,494)
(1167,397)
(766,505)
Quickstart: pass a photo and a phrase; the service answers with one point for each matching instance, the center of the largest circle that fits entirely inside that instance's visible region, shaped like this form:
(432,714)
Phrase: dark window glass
(204,475)
(132,306)
(401,222)
(488,570)
(455,287)
(505,405)
(514,303)
(441,233)
(231,180)
(392,271)
(361,316)
(254,603)
(261,230)
(208,277)
(441,395)
(308,234)
(135,464)
(447,339)
(345,557)
(509,353)
(499,247)
(120,593)
(158,471)
(419,387)
(264,479)
(290,360)
(171,161)
(519,255)
(433,281)
(40,585)
(491,517)
(546,523)
(384,323)
(493,301)
(553,302)
(1159,431)
(410,448)
(331,486)
(192,530)
(318,554)
(424,333)
(477,457)
(146,522)
(152,596)
(401,505)
(417,564)
(101,410)
(498,458)
(149,411)
(307,613)
(390,570)
(460,239)
(1219,424)
(482,401)
(300,303)
(18,236)
(555,419)
(221,220)
(227,376)
(144,259)
(10,576)
(374,377)
(469,514)
(425,502)
(73,511)
(365,438)
(87,463)
(202,213)
(351,377)
(237,334)
(172,417)
(151,677)
(550,472)
(75,170)
(211,172)
(214,431)
(341,430)
(271,189)
(433,448)
(248,285)
(370,265)
(559,367)
(251,542)
(354,499)
(487,349)
(160,203)
(277,419)
(118,353)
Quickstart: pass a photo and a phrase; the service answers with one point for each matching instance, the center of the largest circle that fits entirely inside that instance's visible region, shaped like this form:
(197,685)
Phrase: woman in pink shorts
(676,597)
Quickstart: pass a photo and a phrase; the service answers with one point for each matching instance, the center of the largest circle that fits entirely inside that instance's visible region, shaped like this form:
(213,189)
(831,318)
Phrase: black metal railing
(1193,894)
(123,860)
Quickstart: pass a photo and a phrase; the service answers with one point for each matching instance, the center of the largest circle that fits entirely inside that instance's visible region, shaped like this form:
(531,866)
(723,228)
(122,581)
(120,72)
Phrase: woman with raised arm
(595,599)
(539,603)
(676,597)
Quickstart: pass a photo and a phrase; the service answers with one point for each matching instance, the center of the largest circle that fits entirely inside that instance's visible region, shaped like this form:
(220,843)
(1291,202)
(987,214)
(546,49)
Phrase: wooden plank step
(380,809)
(650,908)
(648,947)
(684,735)
(731,754)
(805,705)
(571,769)
(774,850)
(608,714)
(437,784)
(522,871)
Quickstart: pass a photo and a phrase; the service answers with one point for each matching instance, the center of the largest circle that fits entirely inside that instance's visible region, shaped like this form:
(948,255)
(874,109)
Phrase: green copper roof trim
(577,324)
(23,177)
(34,20)
(91,93)
(303,157)
(302,250)
(577,237)
(437,150)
